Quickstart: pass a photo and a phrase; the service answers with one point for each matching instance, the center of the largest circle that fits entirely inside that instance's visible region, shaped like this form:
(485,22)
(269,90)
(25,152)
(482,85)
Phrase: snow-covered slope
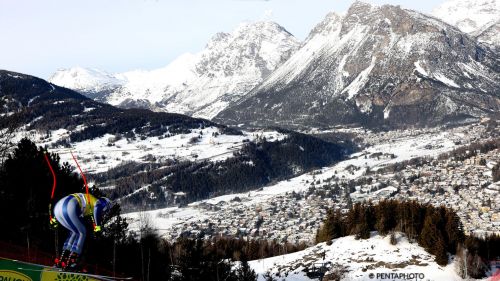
(489,33)
(153,86)
(89,80)
(107,152)
(360,259)
(468,15)
(376,65)
(199,84)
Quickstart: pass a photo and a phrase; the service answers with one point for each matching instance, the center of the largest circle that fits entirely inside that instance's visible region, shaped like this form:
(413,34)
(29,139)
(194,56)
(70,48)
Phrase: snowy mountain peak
(382,65)
(252,46)
(359,6)
(260,27)
(326,27)
(247,30)
(202,84)
(468,15)
(85,79)
(217,39)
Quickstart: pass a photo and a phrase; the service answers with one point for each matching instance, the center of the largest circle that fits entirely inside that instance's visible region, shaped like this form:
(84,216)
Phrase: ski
(102,277)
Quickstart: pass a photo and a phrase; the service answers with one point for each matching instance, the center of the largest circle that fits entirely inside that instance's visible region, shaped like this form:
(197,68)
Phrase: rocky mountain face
(201,84)
(377,65)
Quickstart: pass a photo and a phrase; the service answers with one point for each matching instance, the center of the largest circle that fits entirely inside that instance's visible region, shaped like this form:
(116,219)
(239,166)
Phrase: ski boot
(73,263)
(61,261)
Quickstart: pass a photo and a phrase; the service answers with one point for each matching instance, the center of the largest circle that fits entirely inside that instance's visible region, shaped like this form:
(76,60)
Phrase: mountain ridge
(378,65)
(199,84)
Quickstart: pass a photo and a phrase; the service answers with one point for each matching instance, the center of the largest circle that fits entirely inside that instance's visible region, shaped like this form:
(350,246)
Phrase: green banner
(9,270)
(12,270)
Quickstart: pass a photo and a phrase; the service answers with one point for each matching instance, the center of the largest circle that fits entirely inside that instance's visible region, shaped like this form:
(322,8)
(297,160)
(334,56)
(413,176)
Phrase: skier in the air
(70,212)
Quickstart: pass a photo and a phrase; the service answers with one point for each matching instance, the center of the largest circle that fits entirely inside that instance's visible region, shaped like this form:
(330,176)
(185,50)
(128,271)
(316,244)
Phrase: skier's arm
(98,214)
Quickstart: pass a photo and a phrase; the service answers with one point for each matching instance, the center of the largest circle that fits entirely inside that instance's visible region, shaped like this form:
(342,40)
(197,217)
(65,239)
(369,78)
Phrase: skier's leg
(77,246)
(59,215)
(59,211)
(73,216)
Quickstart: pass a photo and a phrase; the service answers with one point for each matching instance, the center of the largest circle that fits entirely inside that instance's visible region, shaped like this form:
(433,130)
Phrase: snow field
(361,258)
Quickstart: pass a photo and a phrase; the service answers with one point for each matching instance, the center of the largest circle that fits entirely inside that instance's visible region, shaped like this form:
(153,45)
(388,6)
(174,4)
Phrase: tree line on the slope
(147,256)
(257,164)
(436,229)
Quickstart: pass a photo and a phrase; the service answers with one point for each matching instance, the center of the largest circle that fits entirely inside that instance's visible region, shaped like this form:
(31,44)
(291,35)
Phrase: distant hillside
(38,105)
(255,165)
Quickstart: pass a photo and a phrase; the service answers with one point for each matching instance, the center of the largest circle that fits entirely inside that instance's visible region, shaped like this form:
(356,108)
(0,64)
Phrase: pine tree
(440,252)
(454,231)
(460,262)
(362,228)
(332,227)
(190,253)
(432,238)
(387,214)
(393,239)
(476,268)
(371,217)
(244,272)
(25,186)
(352,219)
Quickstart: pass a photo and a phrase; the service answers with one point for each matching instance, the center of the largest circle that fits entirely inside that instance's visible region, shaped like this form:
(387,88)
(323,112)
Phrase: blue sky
(40,36)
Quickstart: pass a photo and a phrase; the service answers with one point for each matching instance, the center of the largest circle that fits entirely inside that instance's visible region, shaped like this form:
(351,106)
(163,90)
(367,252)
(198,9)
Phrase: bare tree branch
(8,131)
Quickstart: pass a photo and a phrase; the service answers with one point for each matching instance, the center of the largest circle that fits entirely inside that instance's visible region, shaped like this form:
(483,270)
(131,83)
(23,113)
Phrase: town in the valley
(440,169)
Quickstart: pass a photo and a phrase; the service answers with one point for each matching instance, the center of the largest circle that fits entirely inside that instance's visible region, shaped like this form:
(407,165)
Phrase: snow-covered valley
(288,213)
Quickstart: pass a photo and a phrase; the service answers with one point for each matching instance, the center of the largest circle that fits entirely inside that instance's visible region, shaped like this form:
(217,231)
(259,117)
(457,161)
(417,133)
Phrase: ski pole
(53,221)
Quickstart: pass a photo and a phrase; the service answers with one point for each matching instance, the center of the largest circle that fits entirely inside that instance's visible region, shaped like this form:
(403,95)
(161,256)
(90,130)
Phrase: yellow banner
(13,275)
(55,276)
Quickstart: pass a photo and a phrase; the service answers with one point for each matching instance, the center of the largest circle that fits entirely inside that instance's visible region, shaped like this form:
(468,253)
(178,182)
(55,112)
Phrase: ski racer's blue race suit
(70,211)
